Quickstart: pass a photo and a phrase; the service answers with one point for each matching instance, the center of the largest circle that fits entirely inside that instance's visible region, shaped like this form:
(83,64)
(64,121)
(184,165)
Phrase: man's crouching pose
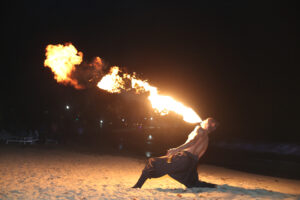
(181,163)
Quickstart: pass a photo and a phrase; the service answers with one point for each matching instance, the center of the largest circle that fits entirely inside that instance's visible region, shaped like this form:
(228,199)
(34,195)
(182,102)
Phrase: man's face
(212,126)
(209,126)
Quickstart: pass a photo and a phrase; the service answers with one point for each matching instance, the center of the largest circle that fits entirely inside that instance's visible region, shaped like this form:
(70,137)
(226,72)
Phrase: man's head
(209,124)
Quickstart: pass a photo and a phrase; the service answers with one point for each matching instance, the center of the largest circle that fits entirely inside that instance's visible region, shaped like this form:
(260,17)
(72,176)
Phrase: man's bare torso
(200,146)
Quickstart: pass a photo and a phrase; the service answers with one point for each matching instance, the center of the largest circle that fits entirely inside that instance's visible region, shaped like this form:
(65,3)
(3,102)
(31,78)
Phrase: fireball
(62,59)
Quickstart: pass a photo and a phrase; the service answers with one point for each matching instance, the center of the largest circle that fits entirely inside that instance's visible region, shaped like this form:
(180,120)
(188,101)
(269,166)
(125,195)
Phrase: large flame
(114,83)
(61,59)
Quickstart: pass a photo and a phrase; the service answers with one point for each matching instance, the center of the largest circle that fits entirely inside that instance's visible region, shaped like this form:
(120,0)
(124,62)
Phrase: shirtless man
(181,163)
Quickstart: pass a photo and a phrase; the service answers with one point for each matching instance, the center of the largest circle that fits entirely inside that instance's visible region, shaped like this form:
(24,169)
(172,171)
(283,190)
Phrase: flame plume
(114,83)
(61,59)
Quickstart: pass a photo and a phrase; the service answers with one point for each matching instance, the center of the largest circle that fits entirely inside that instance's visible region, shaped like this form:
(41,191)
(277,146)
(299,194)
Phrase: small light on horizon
(149,137)
(148,154)
(101,123)
(151,118)
(67,107)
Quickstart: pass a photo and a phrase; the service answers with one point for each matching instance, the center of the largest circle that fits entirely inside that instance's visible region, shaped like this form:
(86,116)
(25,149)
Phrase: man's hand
(171,152)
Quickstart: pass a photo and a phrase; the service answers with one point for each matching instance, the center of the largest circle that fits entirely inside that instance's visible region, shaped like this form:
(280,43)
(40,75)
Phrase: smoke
(87,74)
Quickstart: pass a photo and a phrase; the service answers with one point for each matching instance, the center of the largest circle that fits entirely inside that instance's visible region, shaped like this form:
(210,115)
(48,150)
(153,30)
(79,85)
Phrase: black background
(233,60)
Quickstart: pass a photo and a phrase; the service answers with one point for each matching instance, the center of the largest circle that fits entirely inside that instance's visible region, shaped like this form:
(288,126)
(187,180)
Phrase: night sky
(232,60)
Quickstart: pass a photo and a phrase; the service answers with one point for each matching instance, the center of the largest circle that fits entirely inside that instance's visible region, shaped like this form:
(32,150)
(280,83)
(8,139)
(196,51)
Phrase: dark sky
(233,60)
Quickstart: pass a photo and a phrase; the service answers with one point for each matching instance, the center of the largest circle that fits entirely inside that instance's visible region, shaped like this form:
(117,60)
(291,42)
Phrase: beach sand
(52,173)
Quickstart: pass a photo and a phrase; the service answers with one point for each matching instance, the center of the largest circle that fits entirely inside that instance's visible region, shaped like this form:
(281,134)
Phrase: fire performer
(181,163)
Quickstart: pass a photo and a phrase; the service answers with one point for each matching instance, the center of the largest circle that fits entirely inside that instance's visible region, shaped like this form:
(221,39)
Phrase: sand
(34,173)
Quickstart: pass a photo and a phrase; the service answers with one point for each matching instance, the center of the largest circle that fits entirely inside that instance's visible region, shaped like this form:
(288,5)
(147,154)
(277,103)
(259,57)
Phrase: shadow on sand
(255,193)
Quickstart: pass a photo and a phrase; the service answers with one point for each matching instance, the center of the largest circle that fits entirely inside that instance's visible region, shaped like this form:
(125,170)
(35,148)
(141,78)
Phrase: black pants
(182,168)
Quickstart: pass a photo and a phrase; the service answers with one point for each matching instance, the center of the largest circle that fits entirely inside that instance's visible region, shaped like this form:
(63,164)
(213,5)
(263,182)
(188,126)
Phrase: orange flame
(61,59)
(114,83)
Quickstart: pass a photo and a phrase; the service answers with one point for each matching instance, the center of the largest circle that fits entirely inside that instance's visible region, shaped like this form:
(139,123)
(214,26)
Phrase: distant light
(123,120)
(151,118)
(67,107)
(148,154)
(101,121)
(149,137)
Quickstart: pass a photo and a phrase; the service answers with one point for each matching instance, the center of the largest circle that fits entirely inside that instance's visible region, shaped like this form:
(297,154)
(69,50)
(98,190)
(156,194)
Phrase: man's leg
(190,180)
(150,171)
(205,184)
(182,166)
(185,172)
(188,177)
(194,181)
(144,176)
